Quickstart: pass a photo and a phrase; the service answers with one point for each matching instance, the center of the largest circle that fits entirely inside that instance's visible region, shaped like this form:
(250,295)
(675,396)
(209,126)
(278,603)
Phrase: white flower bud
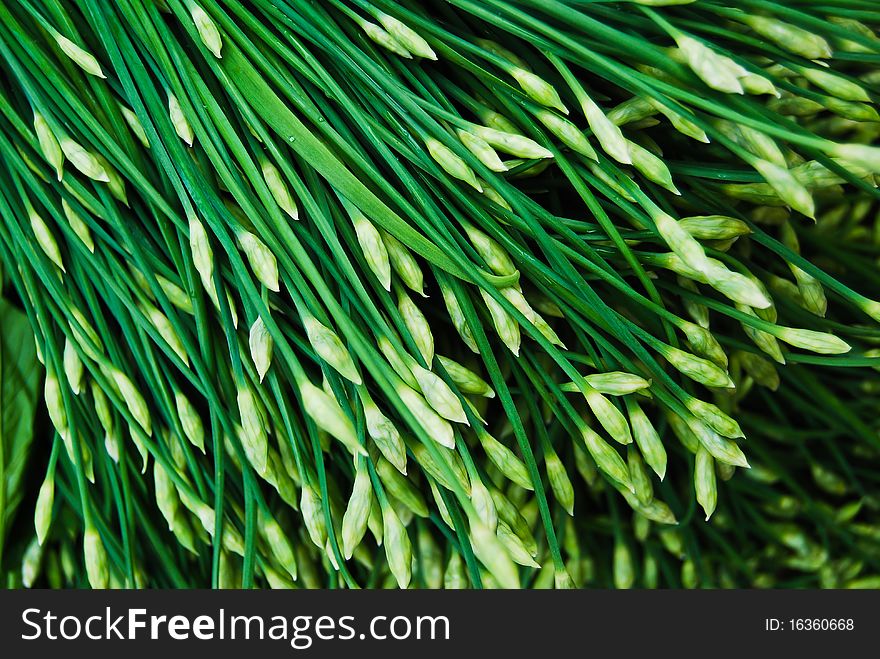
(538,89)
(207,30)
(84,161)
(181,126)
(81,57)
(717,71)
(482,150)
(49,144)
(418,327)
(567,133)
(261,345)
(190,421)
(261,260)
(80,228)
(373,248)
(380,37)
(278,188)
(95,559)
(451,163)
(406,36)
(330,348)
(135,124)
(511,142)
(438,394)
(327,414)
(820,342)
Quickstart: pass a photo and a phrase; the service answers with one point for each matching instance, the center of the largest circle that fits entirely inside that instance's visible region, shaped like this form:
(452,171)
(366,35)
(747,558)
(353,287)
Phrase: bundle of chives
(361,290)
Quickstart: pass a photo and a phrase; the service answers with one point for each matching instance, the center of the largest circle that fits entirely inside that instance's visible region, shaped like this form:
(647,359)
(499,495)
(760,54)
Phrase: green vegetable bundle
(473,293)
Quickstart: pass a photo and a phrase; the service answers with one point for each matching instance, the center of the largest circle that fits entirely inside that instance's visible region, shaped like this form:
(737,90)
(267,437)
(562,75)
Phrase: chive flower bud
(357,513)
(465,379)
(623,571)
(406,36)
(404,264)
(328,415)
(81,57)
(863,155)
(396,361)
(820,342)
(488,548)
(261,260)
(80,228)
(559,481)
(278,188)
(312,510)
(135,125)
(704,481)
(132,398)
(382,38)
(330,348)
(418,327)
(607,459)
(567,133)
(704,343)
(280,546)
(639,476)
(49,144)
(84,161)
(505,459)
(515,296)
(652,167)
(766,342)
(190,421)
(165,329)
(84,334)
(495,256)
(451,163)
(538,89)
(105,418)
(836,85)
(397,547)
(456,315)
(261,345)
(761,370)
(43,508)
(181,126)
(167,499)
(614,383)
(647,439)
(722,449)
(717,71)
(435,426)
(511,142)
(698,369)
(607,133)
(482,150)
(714,227)
(202,254)
(374,249)
(73,367)
(787,187)
(713,417)
(438,394)
(484,505)
(787,36)
(611,419)
(384,433)
(514,546)
(95,558)
(207,29)
(680,241)
(505,324)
